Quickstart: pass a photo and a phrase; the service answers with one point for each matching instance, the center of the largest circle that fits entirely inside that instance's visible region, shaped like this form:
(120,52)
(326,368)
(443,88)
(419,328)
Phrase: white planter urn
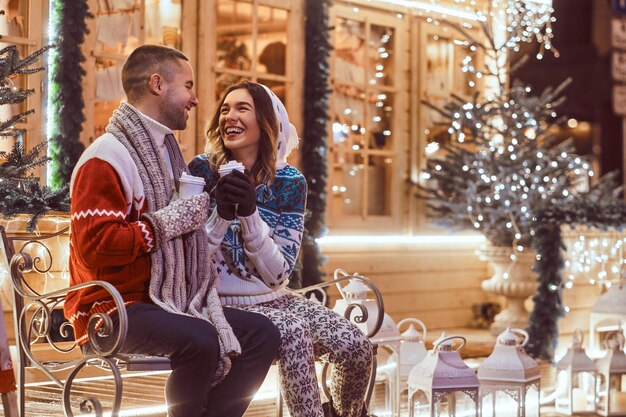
(513,280)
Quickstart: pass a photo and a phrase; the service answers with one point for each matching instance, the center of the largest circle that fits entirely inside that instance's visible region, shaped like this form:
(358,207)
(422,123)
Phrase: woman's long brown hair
(264,169)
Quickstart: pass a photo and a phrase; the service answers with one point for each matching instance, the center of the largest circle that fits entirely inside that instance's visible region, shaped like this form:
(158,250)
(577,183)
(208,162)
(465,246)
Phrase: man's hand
(235,189)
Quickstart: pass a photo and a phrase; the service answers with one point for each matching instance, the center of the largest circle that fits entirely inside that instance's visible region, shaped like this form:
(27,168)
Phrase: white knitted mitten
(180,217)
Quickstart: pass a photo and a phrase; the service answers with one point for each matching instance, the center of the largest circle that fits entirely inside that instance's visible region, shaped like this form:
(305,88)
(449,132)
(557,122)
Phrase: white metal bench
(33,320)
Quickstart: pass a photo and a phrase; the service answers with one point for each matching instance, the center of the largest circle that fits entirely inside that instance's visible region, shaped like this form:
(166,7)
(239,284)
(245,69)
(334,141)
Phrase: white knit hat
(287,134)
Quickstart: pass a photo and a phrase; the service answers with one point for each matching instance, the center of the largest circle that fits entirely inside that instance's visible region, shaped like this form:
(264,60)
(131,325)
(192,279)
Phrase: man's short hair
(145,61)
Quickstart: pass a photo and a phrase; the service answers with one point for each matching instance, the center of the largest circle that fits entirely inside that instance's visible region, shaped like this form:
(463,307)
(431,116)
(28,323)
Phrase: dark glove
(235,189)
(225,208)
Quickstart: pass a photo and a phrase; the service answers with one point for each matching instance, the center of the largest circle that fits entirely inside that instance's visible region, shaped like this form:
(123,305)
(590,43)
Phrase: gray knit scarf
(181,274)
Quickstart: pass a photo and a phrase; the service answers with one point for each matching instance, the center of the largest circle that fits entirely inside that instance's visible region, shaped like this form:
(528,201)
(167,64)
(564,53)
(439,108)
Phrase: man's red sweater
(108,242)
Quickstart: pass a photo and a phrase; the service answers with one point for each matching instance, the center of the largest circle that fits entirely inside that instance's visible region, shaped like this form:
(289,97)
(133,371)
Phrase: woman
(255,229)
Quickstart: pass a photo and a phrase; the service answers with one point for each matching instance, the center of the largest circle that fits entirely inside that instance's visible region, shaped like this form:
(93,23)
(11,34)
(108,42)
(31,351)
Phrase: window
(367,142)
(119,27)
(252,44)
(257,40)
(439,52)
(443,60)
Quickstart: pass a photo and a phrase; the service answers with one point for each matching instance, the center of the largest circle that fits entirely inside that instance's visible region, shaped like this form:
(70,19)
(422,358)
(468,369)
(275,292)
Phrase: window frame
(396,220)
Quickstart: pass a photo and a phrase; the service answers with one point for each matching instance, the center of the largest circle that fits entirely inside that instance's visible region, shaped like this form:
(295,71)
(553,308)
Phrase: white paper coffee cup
(229,167)
(190,185)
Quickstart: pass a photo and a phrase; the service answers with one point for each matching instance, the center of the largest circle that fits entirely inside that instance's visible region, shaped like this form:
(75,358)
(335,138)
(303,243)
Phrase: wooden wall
(436,283)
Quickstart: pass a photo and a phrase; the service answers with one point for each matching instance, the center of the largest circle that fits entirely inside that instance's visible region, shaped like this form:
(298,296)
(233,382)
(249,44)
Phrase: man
(129,227)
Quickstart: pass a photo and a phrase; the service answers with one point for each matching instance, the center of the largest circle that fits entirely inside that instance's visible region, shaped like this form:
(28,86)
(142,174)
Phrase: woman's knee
(358,350)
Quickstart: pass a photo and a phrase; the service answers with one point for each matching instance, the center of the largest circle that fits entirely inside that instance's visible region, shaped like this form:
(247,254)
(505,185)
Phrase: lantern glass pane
(507,403)
(617,396)
(583,392)
(602,390)
(455,404)
(488,406)
(420,404)
(575,392)
(531,401)
(563,392)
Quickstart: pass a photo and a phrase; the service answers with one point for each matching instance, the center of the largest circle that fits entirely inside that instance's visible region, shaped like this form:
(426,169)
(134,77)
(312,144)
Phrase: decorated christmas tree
(20,191)
(501,162)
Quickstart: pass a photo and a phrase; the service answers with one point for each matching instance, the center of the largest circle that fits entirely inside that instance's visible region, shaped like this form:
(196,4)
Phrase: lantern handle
(445,339)
(523,333)
(579,333)
(413,321)
(336,277)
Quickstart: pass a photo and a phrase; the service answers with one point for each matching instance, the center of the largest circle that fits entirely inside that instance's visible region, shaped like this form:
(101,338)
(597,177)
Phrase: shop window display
(362,144)
(120,27)
(251,44)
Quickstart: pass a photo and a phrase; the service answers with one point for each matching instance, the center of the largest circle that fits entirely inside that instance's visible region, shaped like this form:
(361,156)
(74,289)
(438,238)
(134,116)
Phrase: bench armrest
(340,276)
(40,307)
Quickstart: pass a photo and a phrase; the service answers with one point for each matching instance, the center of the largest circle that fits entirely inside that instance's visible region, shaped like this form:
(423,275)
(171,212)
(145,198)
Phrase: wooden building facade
(386,60)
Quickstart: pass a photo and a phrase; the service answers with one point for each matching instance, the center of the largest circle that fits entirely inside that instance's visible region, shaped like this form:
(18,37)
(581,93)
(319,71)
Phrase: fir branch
(11,64)
(7,129)
(19,161)
(20,192)
(11,95)
(31,198)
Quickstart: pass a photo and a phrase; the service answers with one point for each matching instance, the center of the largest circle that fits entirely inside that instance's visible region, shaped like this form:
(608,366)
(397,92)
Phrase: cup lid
(232,164)
(191,179)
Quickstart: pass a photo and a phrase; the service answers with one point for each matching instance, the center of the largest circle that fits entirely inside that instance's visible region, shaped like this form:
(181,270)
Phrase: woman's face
(238,124)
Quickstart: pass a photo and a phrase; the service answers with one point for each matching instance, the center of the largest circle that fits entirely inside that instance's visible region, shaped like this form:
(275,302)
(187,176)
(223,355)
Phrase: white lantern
(442,384)
(509,379)
(412,348)
(576,380)
(612,379)
(412,351)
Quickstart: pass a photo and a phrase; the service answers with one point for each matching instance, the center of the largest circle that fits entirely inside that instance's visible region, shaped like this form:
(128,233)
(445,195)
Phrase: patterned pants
(309,330)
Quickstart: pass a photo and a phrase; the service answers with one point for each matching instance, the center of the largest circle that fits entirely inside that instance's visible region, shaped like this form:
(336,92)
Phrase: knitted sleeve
(179,217)
(274,256)
(102,235)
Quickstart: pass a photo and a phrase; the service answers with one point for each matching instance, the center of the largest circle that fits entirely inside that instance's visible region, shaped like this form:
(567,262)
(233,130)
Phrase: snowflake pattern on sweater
(255,255)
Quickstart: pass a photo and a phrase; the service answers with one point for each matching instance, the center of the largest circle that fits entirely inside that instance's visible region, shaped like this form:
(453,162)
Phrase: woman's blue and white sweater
(256,253)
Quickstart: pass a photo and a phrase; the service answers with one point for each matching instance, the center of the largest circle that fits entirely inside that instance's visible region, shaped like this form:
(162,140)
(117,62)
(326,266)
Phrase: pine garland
(314,137)
(548,244)
(68,20)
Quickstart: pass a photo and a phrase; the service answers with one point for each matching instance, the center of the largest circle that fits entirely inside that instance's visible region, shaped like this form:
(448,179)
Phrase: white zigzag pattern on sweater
(98,323)
(78,314)
(146,235)
(97,212)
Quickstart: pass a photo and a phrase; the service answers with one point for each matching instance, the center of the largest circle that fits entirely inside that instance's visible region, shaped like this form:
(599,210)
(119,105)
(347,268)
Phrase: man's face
(178,97)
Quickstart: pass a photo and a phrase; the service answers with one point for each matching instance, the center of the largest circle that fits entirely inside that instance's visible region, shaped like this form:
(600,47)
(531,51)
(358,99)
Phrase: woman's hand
(235,189)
